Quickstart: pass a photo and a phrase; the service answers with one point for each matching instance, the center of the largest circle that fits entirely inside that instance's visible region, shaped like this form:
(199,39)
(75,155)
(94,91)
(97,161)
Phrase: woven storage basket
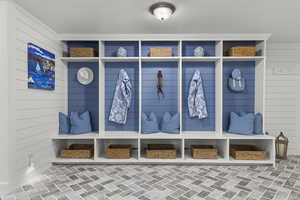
(118,151)
(78,151)
(247,152)
(204,152)
(242,51)
(161,52)
(82,52)
(161,151)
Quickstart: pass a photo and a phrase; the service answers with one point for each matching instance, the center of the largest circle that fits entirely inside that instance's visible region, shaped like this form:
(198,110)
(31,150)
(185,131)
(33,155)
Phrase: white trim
(165,37)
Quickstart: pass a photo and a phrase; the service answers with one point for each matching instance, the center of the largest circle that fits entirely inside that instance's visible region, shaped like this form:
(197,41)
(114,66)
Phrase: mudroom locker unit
(215,68)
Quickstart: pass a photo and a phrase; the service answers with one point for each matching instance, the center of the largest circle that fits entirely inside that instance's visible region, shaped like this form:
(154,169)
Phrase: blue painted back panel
(207,70)
(111,76)
(229,44)
(150,100)
(111,47)
(82,98)
(238,102)
(91,44)
(189,46)
(150,44)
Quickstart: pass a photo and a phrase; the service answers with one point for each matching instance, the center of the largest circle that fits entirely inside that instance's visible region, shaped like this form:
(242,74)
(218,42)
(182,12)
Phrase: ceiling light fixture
(162,10)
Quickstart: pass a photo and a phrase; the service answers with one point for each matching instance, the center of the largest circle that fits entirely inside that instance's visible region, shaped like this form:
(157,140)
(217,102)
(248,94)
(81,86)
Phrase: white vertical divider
(219,88)
(227,153)
(101,98)
(101,90)
(66,66)
(140,99)
(180,95)
(95,149)
(260,80)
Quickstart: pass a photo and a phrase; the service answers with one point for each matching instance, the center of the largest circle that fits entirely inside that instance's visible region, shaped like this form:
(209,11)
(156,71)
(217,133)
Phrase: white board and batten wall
(4,137)
(33,113)
(283,92)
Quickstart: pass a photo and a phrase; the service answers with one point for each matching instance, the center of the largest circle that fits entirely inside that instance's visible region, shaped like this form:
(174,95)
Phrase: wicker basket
(78,151)
(82,52)
(118,151)
(247,152)
(204,152)
(161,52)
(161,151)
(242,51)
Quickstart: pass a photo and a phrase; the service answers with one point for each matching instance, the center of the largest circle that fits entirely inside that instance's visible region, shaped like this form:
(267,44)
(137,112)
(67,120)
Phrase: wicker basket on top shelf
(82,52)
(242,51)
(161,52)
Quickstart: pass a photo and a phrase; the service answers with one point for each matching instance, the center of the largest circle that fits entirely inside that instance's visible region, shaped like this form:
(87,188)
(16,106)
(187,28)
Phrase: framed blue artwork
(41,68)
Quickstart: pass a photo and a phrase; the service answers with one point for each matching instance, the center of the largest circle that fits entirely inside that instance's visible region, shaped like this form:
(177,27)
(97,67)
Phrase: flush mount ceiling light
(162,10)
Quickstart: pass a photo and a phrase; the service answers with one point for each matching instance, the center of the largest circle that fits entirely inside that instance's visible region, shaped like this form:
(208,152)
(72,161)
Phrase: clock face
(85,75)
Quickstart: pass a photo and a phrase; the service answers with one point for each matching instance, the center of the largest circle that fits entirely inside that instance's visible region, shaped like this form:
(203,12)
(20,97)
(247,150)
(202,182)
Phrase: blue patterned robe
(196,99)
(122,99)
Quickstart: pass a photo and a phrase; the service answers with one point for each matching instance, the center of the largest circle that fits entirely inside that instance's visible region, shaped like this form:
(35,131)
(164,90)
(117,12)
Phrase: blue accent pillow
(170,124)
(64,123)
(258,124)
(241,124)
(149,125)
(80,123)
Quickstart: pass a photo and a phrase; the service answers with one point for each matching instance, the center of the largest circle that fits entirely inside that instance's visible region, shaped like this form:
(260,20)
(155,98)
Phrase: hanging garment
(160,92)
(122,99)
(196,99)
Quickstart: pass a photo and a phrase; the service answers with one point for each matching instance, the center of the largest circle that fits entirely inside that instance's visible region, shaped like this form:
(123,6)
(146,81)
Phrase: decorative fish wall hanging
(160,92)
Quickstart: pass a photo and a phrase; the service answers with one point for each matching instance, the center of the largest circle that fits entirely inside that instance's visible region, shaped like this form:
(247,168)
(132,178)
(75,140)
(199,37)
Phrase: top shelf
(182,50)
(160,59)
(243,58)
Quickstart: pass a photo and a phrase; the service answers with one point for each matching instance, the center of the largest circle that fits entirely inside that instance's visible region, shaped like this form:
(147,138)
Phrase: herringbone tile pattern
(170,182)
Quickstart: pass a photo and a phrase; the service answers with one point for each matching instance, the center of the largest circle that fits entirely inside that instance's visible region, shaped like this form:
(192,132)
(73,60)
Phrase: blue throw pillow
(170,124)
(149,125)
(64,123)
(241,124)
(258,124)
(80,123)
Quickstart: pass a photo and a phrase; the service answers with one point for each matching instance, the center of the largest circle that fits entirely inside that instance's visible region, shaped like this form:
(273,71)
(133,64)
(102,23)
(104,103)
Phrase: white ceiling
(279,17)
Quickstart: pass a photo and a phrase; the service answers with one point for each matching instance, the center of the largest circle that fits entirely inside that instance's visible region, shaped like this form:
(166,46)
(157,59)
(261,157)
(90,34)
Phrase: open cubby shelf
(215,67)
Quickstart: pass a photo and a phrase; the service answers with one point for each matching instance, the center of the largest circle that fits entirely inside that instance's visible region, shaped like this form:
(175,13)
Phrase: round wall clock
(85,75)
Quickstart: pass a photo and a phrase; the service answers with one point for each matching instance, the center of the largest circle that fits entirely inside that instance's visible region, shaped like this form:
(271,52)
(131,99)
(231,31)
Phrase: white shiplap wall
(4,88)
(35,111)
(283,92)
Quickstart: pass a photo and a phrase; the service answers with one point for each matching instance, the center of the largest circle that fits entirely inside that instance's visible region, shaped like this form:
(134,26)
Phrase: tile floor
(170,182)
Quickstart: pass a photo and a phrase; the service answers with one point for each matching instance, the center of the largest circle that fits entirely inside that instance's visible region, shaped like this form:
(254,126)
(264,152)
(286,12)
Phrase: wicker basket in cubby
(204,152)
(78,151)
(247,152)
(119,151)
(242,51)
(161,52)
(161,151)
(82,52)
